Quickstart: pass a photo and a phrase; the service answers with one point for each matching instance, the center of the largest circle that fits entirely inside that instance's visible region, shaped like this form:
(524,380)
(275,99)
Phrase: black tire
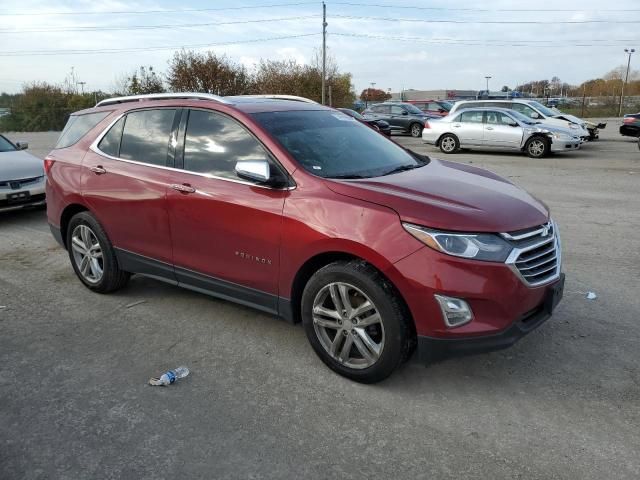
(415,129)
(449,143)
(113,278)
(537,147)
(395,320)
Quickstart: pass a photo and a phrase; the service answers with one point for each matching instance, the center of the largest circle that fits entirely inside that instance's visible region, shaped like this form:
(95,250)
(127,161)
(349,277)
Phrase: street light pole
(628,51)
(487,85)
(82,84)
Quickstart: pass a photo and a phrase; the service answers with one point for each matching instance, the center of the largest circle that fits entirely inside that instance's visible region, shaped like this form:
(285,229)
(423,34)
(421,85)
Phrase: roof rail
(293,98)
(161,96)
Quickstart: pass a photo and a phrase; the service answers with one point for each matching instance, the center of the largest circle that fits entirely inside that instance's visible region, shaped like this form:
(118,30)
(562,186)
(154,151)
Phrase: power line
(140,12)
(499,22)
(452,9)
(95,28)
(30,53)
(468,42)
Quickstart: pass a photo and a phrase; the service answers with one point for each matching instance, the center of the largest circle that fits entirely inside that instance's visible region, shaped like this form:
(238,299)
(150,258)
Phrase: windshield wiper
(348,176)
(402,168)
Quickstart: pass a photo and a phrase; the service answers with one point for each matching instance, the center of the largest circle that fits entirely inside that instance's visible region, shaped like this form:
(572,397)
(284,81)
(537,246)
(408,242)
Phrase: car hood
(571,118)
(19,164)
(450,196)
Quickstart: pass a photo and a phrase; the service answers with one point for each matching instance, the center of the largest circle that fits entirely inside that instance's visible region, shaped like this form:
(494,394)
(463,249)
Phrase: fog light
(455,311)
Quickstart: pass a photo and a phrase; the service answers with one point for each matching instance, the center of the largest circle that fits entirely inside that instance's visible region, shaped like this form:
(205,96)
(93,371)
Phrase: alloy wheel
(348,325)
(87,253)
(416,130)
(536,148)
(448,144)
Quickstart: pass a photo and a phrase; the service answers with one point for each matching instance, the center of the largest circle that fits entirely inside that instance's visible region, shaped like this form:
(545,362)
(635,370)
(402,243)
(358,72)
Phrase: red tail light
(426,124)
(48,163)
(628,120)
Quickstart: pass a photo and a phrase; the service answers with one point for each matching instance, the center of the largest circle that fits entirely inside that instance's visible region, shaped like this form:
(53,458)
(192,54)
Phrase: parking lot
(564,403)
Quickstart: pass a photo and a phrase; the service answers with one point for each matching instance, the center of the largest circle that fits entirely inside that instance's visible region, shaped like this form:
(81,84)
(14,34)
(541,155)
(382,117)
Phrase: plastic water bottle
(170,376)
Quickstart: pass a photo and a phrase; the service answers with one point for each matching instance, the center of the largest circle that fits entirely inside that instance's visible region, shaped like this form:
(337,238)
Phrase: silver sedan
(499,128)
(22,179)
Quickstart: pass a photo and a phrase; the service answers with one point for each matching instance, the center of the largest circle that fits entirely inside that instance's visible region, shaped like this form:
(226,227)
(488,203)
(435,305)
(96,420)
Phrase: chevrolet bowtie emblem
(545,230)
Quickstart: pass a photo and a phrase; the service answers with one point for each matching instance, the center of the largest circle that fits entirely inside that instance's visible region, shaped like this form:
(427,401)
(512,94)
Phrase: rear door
(399,118)
(469,128)
(125,183)
(225,230)
(499,132)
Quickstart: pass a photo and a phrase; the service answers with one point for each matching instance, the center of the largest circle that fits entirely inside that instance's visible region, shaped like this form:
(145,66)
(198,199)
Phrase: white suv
(529,108)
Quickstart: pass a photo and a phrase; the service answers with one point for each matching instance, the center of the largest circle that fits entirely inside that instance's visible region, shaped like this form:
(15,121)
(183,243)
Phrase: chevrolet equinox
(301,211)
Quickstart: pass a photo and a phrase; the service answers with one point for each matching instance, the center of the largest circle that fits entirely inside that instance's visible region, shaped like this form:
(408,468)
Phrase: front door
(500,132)
(225,230)
(124,181)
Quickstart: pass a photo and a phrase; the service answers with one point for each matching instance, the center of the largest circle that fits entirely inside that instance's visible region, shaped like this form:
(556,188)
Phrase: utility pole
(330,100)
(82,84)
(628,51)
(324,47)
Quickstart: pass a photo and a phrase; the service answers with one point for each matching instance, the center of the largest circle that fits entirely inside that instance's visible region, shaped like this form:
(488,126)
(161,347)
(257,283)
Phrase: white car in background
(531,109)
(498,128)
(22,177)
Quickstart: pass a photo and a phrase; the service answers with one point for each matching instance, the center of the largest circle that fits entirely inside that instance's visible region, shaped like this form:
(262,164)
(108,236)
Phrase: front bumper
(564,146)
(27,195)
(430,349)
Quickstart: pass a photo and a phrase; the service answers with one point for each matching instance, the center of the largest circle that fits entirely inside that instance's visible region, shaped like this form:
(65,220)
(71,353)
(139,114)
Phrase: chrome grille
(536,257)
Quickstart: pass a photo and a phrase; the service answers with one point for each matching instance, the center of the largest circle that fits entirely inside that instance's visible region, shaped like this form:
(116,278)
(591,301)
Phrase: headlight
(562,136)
(480,246)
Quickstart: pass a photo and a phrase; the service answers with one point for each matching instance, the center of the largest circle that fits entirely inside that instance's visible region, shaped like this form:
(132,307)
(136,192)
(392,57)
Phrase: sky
(396,44)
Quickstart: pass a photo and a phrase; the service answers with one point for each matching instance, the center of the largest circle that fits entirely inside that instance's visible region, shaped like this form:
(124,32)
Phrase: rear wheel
(449,143)
(416,130)
(92,255)
(355,322)
(537,147)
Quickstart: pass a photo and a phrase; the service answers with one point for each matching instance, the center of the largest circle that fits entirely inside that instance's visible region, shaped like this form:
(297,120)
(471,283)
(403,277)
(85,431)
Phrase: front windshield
(5,145)
(521,118)
(413,109)
(331,144)
(547,112)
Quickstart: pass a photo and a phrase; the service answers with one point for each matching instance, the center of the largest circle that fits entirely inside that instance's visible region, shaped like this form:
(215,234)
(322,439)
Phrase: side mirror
(513,124)
(534,115)
(255,170)
(22,145)
(404,112)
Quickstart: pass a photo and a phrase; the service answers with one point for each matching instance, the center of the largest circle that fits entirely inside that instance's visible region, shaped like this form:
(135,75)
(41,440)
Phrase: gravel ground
(564,403)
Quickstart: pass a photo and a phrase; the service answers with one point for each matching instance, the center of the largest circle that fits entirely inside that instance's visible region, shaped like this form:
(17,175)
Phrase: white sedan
(22,178)
(498,128)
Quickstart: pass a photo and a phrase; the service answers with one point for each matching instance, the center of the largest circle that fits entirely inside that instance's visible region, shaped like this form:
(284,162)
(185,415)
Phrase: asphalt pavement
(564,403)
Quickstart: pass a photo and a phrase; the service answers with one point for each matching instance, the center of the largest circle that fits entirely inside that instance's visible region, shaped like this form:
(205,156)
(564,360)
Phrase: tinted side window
(215,143)
(523,109)
(110,143)
(381,108)
(471,117)
(396,110)
(146,136)
(77,127)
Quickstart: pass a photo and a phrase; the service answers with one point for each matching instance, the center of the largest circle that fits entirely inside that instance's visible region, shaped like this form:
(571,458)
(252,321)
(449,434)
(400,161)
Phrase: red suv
(301,211)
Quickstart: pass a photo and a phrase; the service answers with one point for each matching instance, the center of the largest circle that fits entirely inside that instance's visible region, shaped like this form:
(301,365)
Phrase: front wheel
(416,130)
(355,321)
(537,147)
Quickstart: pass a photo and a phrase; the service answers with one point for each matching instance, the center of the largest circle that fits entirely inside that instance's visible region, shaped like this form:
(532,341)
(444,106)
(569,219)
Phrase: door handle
(98,170)
(457,126)
(184,188)
(489,128)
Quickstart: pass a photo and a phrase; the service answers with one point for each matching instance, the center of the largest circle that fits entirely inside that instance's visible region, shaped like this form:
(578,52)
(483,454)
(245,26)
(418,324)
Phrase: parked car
(287,207)
(438,108)
(379,125)
(21,177)
(401,117)
(498,128)
(531,109)
(630,125)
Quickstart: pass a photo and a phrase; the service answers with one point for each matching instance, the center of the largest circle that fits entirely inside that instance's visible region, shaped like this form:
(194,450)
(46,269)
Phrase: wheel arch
(446,133)
(313,264)
(66,216)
